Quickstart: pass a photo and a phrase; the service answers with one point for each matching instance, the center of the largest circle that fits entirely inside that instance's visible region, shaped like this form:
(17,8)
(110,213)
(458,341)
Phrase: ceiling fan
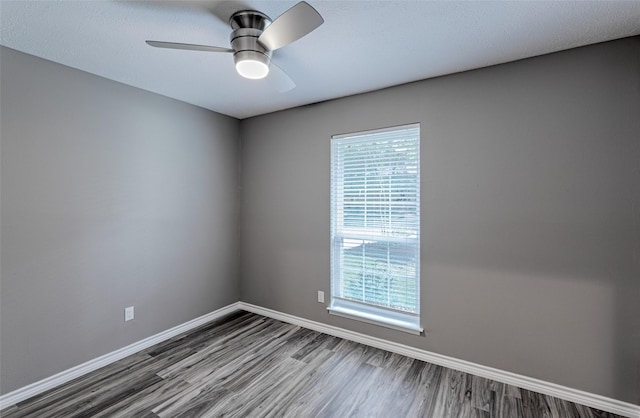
(255,36)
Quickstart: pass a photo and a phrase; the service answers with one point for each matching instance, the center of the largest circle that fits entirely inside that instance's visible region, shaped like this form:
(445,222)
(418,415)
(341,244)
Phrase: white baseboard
(43,385)
(524,382)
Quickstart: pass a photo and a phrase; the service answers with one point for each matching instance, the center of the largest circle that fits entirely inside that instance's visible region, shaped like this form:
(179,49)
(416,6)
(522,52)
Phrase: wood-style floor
(251,366)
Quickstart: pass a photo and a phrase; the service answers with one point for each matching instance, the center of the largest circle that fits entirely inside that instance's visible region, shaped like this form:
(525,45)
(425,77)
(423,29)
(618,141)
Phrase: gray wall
(111,196)
(530,213)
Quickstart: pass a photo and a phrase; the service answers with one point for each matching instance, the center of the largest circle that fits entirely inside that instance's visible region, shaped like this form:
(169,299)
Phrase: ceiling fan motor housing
(247,26)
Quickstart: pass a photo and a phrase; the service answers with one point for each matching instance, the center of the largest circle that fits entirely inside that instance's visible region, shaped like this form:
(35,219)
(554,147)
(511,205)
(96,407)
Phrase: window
(375,227)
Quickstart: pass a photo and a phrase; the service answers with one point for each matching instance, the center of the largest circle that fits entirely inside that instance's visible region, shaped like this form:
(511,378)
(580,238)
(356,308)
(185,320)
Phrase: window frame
(359,310)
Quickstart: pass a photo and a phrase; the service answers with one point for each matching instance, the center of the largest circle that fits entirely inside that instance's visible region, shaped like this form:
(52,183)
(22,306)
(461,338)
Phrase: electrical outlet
(128,313)
(320,296)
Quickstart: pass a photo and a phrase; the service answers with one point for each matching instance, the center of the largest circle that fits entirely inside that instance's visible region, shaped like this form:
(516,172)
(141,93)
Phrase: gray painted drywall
(111,197)
(530,213)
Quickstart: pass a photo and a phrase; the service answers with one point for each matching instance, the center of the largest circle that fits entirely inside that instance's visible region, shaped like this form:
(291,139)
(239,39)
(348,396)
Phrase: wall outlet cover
(128,313)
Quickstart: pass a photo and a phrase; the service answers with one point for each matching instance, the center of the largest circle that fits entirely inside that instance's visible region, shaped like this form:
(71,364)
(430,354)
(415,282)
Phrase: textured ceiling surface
(362,46)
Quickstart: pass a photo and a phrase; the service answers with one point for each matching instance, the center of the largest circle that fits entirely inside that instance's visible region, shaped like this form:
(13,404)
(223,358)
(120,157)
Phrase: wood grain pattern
(249,365)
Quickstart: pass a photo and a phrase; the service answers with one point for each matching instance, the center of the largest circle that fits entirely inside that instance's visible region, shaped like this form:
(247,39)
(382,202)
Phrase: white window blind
(375,226)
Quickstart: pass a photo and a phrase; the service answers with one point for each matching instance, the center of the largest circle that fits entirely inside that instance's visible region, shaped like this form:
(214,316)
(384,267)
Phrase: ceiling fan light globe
(252,69)
(252,64)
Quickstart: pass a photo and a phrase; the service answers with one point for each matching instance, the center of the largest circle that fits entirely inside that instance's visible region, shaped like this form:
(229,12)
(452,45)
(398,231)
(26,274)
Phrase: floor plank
(249,365)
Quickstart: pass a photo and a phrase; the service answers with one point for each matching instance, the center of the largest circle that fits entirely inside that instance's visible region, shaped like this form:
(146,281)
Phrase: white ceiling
(362,46)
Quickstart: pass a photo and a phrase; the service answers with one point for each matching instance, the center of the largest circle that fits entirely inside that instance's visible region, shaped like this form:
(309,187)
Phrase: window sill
(376,320)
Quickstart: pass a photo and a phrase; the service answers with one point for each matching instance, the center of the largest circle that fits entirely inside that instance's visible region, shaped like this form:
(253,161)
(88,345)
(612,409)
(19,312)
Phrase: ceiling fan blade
(279,79)
(190,47)
(292,25)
